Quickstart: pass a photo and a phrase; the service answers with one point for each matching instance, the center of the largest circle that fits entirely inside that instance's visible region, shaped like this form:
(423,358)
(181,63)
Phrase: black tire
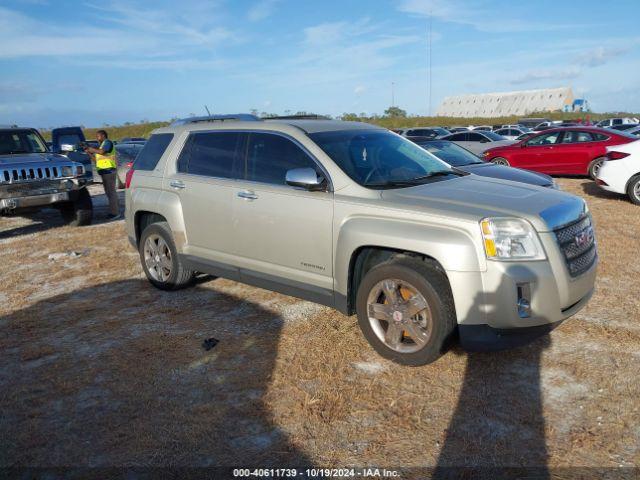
(429,281)
(594,166)
(78,212)
(179,277)
(500,161)
(633,189)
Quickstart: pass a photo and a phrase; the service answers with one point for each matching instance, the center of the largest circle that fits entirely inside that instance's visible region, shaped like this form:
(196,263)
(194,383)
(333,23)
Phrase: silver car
(478,141)
(356,217)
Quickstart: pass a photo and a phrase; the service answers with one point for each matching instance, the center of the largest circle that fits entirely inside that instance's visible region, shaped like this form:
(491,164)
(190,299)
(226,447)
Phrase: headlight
(66,171)
(510,239)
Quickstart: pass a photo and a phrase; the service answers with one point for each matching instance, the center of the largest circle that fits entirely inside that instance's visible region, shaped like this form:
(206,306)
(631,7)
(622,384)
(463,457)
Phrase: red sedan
(560,151)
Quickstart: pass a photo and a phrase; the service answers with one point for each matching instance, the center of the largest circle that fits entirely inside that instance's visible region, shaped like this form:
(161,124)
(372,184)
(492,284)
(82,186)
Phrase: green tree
(395,112)
(350,117)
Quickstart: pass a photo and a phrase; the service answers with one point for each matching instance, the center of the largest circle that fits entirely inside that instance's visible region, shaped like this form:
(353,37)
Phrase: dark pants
(109,182)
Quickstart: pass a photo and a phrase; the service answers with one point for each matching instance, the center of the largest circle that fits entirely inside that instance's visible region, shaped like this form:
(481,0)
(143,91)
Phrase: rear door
(283,233)
(574,152)
(206,178)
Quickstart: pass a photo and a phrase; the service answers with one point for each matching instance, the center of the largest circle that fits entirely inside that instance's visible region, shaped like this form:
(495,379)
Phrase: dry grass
(101,369)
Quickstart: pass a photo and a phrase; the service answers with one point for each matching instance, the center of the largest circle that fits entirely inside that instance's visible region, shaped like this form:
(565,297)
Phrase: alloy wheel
(399,315)
(157,258)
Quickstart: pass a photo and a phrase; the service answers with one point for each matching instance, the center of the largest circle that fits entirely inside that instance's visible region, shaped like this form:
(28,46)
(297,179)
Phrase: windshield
(378,158)
(451,153)
(20,141)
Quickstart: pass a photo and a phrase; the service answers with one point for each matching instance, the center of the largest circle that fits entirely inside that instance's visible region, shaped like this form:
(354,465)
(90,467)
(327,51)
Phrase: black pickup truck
(32,177)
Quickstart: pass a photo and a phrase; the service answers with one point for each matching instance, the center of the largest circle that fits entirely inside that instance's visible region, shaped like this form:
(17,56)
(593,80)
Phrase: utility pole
(393,94)
(430,71)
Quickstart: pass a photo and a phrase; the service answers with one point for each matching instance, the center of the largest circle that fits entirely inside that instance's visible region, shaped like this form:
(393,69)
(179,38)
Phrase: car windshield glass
(378,158)
(451,153)
(20,141)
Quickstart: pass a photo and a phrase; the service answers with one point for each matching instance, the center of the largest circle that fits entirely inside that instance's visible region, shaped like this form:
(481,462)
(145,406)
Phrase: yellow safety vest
(107,160)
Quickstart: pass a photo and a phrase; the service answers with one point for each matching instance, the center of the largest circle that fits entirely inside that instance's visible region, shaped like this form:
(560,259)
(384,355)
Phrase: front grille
(578,245)
(37,172)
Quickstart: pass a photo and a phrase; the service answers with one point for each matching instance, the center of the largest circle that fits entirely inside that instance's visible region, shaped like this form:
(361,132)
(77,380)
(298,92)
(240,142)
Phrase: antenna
(207,109)
(430,71)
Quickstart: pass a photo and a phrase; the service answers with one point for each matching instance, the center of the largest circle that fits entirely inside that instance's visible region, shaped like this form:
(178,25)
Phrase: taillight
(127,179)
(128,164)
(616,155)
(601,182)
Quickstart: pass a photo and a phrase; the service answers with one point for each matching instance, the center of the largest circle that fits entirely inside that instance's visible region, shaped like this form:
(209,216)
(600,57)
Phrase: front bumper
(10,204)
(487,303)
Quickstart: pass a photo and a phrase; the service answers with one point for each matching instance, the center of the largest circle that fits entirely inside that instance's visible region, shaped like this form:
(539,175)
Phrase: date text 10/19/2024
(315,473)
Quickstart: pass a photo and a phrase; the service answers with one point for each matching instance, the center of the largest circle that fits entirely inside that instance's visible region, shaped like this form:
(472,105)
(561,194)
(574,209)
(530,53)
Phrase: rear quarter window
(154,149)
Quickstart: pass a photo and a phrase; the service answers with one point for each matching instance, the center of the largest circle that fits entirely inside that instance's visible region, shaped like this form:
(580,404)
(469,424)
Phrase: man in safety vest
(104,160)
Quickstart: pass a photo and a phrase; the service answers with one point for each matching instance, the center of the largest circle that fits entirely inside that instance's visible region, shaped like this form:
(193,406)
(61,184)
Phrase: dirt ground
(100,369)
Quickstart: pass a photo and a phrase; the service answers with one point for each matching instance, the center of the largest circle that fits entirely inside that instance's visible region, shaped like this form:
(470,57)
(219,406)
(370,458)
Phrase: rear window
(152,151)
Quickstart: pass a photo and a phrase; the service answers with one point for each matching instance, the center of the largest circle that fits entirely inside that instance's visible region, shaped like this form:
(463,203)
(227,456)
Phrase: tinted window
(458,137)
(152,151)
(69,139)
(577,137)
(492,136)
(269,156)
(476,137)
(212,154)
(20,141)
(547,139)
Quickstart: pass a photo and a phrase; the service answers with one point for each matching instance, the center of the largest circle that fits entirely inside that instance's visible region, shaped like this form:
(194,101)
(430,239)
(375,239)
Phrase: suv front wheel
(160,260)
(405,310)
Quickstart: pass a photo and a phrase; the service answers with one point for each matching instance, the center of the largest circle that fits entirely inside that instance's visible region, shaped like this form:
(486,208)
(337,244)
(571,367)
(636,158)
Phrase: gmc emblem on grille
(584,238)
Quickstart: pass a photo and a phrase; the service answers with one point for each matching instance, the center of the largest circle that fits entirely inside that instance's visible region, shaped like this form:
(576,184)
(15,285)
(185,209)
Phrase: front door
(283,233)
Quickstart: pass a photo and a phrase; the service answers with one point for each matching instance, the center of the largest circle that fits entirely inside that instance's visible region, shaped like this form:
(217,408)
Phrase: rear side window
(212,154)
(269,157)
(458,137)
(152,151)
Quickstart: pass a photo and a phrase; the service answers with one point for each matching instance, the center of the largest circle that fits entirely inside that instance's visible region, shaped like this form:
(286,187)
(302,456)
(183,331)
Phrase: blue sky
(93,62)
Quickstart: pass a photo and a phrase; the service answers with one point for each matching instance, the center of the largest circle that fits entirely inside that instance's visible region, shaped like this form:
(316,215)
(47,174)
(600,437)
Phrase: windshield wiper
(414,181)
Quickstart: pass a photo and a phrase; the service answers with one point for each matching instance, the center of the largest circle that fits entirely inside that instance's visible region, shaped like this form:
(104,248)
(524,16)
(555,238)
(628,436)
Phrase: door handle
(176,184)
(247,195)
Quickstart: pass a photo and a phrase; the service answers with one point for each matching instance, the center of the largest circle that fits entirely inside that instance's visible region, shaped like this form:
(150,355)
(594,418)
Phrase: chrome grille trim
(578,257)
(35,172)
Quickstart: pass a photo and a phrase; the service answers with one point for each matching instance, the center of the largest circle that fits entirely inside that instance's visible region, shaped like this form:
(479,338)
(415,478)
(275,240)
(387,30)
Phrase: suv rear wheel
(405,310)
(160,260)
(633,189)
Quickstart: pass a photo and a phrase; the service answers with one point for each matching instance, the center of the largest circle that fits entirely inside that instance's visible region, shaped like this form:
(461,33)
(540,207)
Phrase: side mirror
(65,147)
(306,178)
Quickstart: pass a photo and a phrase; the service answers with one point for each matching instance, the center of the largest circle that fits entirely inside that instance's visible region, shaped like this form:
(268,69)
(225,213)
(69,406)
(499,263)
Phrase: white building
(504,104)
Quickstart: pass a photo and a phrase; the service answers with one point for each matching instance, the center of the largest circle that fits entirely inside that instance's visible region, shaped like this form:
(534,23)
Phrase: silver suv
(356,217)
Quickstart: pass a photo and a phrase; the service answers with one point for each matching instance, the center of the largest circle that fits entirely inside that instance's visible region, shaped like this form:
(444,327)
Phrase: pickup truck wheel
(405,311)
(79,212)
(594,167)
(633,189)
(500,161)
(160,260)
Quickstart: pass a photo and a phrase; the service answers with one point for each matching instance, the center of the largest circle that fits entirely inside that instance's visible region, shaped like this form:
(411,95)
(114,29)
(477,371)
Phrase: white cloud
(359,89)
(538,75)
(601,55)
(261,10)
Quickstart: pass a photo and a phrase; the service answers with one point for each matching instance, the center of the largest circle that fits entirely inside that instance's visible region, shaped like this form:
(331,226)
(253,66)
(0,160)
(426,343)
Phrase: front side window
(458,137)
(270,156)
(212,154)
(379,159)
(546,139)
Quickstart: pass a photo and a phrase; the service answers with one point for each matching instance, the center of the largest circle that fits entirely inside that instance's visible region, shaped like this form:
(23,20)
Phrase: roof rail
(243,117)
(309,116)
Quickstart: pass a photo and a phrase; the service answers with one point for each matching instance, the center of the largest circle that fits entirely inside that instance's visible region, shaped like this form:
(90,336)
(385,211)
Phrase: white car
(477,141)
(610,122)
(620,172)
(509,133)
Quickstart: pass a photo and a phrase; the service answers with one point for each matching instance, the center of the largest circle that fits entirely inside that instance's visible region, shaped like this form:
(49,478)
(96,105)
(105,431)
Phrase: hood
(509,173)
(473,198)
(21,158)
